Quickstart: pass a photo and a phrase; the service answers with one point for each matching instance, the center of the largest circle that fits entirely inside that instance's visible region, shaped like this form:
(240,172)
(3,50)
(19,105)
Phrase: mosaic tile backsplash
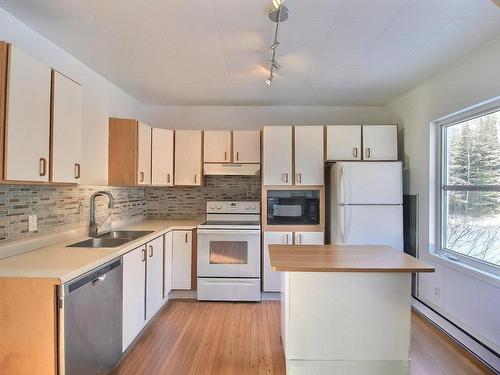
(60,208)
(188,202)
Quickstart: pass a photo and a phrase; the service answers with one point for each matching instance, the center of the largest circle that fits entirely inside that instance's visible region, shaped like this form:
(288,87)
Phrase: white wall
(101,99)
(247,117)
(472,301)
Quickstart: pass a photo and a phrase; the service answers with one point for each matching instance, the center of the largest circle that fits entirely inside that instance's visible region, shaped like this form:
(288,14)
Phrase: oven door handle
(228,231)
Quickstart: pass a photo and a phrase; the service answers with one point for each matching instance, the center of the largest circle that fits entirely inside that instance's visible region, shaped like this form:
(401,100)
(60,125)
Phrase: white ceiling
(215,52)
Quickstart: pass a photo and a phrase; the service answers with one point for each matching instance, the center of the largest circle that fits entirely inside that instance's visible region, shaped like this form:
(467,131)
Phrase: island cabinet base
(346,323)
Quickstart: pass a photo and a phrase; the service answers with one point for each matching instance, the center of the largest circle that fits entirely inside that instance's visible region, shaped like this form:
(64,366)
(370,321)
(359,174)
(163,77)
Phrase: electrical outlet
(32,223)
(437,292)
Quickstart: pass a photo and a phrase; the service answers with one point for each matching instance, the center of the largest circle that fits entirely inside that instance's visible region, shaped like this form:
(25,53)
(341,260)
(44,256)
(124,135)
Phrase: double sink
(112,239)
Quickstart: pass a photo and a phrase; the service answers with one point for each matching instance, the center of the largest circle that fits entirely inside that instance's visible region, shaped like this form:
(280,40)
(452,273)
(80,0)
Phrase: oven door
(228,253)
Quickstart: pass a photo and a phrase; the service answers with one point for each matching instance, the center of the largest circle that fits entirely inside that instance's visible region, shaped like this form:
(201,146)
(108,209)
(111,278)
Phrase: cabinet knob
(42,166)
(77,171)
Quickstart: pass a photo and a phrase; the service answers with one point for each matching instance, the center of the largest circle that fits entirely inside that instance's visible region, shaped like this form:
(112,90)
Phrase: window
(470,188)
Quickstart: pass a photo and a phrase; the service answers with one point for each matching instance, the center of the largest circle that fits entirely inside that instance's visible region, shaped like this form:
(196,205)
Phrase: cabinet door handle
(186,238)
(42,168)
(143,254)
(141,174)
(237,156)
(284,177)
(299,177)
(225,155)
(77,170)
(150,251)
(286,238)
(299,238)
(195,178)
(355,152)
(168,178)
(368,153)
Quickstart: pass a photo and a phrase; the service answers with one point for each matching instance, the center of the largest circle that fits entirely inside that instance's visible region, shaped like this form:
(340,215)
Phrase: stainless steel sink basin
(102,242)
(112,239)
(128,234)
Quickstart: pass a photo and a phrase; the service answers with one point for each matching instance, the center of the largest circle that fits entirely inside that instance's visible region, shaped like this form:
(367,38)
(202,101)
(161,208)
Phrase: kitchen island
(345,309)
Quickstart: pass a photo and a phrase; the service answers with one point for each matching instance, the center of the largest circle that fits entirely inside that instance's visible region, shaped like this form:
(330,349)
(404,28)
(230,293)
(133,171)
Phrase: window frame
(471,113)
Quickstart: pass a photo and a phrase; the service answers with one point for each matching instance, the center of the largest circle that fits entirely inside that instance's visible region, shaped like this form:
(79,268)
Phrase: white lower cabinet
(167,265)
(309,238)
(142,288)
(154,277)
(182,241)
(134,294)
(272,279)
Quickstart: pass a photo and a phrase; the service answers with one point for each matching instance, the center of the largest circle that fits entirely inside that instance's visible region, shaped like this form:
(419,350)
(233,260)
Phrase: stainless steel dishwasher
(93,321)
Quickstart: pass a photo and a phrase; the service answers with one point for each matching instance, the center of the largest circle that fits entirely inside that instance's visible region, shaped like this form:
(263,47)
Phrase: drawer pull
(368,153)
(355,152)
(150,251)
(77,171)
(143,255)
(186,238)
(141,174)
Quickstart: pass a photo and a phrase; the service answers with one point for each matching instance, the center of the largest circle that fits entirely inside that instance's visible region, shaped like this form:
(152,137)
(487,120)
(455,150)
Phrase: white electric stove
(229,252)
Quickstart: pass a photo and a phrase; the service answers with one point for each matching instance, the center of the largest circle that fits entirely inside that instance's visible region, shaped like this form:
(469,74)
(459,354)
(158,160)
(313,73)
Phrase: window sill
(467,269)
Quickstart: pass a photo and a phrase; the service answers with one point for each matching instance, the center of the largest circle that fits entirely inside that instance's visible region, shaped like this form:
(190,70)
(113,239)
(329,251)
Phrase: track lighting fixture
(277,15)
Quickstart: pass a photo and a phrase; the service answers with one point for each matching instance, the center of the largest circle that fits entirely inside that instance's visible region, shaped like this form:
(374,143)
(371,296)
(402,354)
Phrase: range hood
(231,169)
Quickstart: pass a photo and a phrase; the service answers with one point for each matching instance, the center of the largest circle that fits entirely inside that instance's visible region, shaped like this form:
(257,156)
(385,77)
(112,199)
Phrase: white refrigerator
(366,203)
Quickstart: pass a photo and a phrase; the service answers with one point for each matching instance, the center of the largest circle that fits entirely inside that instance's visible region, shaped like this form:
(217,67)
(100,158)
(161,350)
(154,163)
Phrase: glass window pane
(228,252)
(472,224)
(473,151)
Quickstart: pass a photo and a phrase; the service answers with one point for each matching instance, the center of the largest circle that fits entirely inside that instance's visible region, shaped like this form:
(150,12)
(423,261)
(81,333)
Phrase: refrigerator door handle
(342,224)
(341,186)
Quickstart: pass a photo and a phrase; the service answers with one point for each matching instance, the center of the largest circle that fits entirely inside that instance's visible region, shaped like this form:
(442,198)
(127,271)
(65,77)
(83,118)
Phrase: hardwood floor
(217,338)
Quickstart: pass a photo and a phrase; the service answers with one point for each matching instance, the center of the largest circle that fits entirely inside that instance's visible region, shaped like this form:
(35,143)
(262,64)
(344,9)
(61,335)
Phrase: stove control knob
(219,207)
(212,207)
(254,208)
(247,207)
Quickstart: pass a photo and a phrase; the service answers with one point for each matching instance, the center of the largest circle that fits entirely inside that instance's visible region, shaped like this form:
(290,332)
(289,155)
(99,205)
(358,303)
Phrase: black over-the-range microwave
(293,207)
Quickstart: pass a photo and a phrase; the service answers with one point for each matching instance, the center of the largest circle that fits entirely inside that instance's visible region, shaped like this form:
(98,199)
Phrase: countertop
(65,263)
(343,258)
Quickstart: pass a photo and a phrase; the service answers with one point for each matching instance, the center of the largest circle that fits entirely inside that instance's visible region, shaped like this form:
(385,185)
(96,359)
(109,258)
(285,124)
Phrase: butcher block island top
(343,258)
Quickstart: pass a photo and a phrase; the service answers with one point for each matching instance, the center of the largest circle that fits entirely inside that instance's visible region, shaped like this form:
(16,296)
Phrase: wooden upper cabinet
(129,156)
(66,130)
(380,142)
(27,124)
(277,155)
(162,157)
(343,142)
(246,146)
(144,155)
(217,146)
(188,157)
(309,163)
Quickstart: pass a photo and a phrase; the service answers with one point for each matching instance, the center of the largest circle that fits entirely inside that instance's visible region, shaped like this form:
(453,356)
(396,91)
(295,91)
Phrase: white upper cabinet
(277,155)
(28,119)
(309,156)
(380,142)
(144,155)
(217,146)
(343,142)
(66,129)
(246,146)
(188,165)
(162,157)
(154,277)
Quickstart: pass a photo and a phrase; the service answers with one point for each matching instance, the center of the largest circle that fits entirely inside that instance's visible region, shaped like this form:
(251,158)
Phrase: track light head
(277,3)
(276,65)
(269,80)
(274,45)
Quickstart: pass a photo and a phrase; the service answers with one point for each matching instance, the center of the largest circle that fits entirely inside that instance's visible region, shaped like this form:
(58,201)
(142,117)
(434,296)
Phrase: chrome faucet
(94,227)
